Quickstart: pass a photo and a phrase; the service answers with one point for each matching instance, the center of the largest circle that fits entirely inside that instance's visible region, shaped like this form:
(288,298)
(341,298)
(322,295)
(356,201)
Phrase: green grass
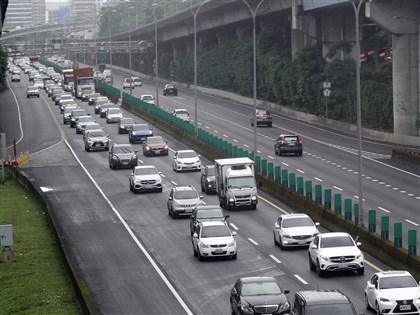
(36,283)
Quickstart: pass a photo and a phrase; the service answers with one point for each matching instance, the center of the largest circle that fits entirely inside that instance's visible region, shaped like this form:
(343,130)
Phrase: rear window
(290,139)
(263,112)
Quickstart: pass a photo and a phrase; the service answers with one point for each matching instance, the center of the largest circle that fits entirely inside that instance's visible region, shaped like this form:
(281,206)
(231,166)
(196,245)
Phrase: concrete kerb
(83,297)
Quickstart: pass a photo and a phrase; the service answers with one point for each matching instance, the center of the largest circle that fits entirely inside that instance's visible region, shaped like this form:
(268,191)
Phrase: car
(186,160)
(128,83)
(93,97)
(100,103)
(258,295)
(122,156)
(82,121)
(204,213)
(155,146)
(64,96)
(181,114)
(325,302)
(65,103)
(113,115)
(96,140)
(75,114)
(100,100)
(393,292)
(56,92)
(335,251)
(139,133)
(148,98)
(288,144)
(86,92)
(16,78)
(91,126)
(170,89)
(295,229)
(67,113)
(208,179)
(39,83)
(213,239)
(105,107)
(125,124)
(51,88)
(145,178)
(136,81)
(32,91)
(182,200)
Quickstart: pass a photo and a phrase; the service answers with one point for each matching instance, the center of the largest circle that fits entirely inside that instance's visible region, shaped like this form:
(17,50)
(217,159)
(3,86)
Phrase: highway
(105,226)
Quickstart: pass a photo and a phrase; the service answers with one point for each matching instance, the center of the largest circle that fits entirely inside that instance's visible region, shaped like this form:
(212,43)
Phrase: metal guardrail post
(292,182)
(327,199)
(372,221)
(270,170)
(318,194)
(277,174)
(385,228)
(398,234)
(347,209)
(337,204)
(412,242)
(300,185)
(285,178)
(308,189)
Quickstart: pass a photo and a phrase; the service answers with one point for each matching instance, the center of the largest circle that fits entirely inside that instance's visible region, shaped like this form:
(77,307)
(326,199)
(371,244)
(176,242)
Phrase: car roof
(184,188)
(207,207)
(154,137)
(393,273)
(146,95)
(184,151)
(322,297)
(294,215)
(212,223)
(144,166)
(122,145)
(255,279)
(334,234)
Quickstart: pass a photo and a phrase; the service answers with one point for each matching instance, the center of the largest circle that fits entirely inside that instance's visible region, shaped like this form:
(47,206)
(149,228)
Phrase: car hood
(188,160)
(305,230)
(142,132)
(187,201)
(217,240)
(340,251)
(147,177)
(103,139)
(264,300)
(401,293)
(115,115)
(124,155)
(156,145)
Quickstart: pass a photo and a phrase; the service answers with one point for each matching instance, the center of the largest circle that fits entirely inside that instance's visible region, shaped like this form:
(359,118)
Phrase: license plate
(219,250)
(157,151)
(405,307)
(125,163)
(301,242)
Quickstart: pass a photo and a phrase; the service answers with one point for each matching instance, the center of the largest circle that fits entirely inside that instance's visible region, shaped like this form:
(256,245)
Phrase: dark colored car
(155,146)
(99,104)
(170,89)
(75,114)
(288,144)
(208,179)
(325,302)
(258,295)
(32,91)
(125,125)
(139,133)
(202,213)
(93,97)
(105,107)
(56,92)
(262,117)
(122,156)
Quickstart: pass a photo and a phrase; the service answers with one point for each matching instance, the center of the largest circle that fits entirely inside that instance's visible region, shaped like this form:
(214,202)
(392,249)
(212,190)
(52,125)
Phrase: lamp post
(254,62)
(156,55)
(356,7)
(110,41)
(129,53)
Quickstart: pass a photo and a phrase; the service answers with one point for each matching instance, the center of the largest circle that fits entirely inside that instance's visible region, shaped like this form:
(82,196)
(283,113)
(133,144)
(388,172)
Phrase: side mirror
(227,216)
(286,291)
(260,183)
(135,151)
(198,155)
(174,157)
(234,233)
(107,134)
(201,197)
(170,198)
(195,235)
(358,244)
(314,246)
(276,225)
(234,292)
(132,174)
(317,224)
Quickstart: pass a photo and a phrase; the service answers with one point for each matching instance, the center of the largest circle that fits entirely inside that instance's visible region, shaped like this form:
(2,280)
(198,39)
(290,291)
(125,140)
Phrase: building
(81,10)
(24,13)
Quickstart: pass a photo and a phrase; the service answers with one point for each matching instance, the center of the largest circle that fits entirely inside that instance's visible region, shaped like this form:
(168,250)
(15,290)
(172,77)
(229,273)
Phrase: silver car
(114,115)
(145,178)
(96,140)
(294,229)
(82,122)
(182,200)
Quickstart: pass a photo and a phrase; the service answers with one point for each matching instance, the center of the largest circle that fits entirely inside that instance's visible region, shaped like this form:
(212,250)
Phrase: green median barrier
(318,194)
(308,189)
(292,182)
(245,153)
(264,167)
(356,214)
(327,199)
(251,156)
(372,221)
(234,151)
(270,169)
(385,228)
(337,204)
(229,149)
(240,152)
(285,178)
(277,174)
(300,184)
(412,242)
(347,209)
(257,164)
(398,234)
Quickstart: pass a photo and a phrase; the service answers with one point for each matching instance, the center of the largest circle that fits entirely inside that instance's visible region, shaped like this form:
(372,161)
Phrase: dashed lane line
(234,226)
(300,279)
(275,259)
(411,222)
(383,209)
(252,241)
(338,188)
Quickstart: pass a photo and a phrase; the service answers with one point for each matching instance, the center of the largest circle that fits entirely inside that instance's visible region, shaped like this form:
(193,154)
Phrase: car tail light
(299,139)
(282,139)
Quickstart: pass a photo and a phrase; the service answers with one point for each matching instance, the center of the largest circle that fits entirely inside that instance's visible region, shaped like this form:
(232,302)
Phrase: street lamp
(129,52)
(254,61)
(156,54)
(110,43)
(356,8)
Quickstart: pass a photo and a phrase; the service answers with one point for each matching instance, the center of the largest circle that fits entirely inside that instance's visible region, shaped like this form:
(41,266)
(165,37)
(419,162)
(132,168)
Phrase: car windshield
(329,309)
(96,134)
(337,241)
(114,111)
(85,119)
(32,88)
(295,222)
(170,86)
(211,171)
(140,127)
(155,140)
(292,139)
(397,282)
(147,98)
(94,95)
(78,113)
(215,231)
(185,194)
(145,171)
(136,80)
(126,149)
(127,121)
(181,113)
(66,97)
(263,113)
(68,110)
(260,288)
(101,102)
(58,91)
(92,126)
(239,182)
(187,155)
(210,214)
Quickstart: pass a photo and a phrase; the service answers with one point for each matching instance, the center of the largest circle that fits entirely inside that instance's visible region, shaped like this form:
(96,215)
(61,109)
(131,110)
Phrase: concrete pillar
(303,29)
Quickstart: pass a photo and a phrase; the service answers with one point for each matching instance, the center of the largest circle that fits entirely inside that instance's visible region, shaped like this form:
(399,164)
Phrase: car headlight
(208,180)
(285,305)
(384,299)
(231,244)
(246,308)
(231,199)
(134,157)
(137,181)
(204,245)
(324,258)
(254,197)
(122,127)
(114,157)
(286,236)
(106,140)
(90,141)
(147,148)
(360,256)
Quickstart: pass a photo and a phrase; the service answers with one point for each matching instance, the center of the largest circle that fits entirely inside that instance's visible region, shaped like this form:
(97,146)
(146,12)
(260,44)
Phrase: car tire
(131,187)
(106,149)
(367,303)
(377,310)
(276,242)
(160,189)
(253,207)
(200,258)
(361,271)
(319,271)
(234,256)
(194,251)
(312,266)
(281,243)
(111,165)
(87,149)
(176,94)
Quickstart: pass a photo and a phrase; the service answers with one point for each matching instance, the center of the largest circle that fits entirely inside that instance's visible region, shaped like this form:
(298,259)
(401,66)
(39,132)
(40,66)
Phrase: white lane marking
(355,173)
(318,179)
(45,189)
(163,175)
(174,183)
(395,188)
(411,222)
(300,171)
(374,180)
(225,136)
(234,226)
(417,198)
(383,209)
(300,279)
(285,164)
(357,197)
(246,146)
(234,140)
(275,259)
(328,161)
(338,188)
(19,115)
(333,163)
(207,127)
(133,236)
(388,185)
(215,131)
(258,151)
(252,241)
(411,195)
(338,165)
(403,191)
(368,177)
(47,148)
(270,157)
(344,168)
(381,183)
(141,161)
(349,171)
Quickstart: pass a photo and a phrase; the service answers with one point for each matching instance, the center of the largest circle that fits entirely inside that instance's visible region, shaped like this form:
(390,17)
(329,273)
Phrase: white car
(39,84)
(136,81)
(148,99)
(114,115)
(128,83)
(213,239)
(335,251)
(145,178)
(181,114)
(393,292)
(294,229)
(185,160)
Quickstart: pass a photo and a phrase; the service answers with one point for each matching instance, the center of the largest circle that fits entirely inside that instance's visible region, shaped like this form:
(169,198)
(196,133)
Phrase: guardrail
(331,211)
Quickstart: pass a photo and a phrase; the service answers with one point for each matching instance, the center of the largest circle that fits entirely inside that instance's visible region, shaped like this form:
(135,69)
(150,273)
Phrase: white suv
(393,292)
(213,239)
(335,251)
(145,178)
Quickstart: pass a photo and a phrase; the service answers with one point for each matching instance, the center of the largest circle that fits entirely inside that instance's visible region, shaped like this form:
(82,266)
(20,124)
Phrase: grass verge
(36,283)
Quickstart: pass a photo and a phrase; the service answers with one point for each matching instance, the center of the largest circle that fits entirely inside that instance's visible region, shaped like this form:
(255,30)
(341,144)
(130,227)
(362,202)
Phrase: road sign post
(327,92)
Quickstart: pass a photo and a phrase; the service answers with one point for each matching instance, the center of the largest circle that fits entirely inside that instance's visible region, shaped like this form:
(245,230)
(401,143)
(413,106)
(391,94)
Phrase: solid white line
(300,279)
(275,259)
(318,179)
(234,226)
(338,188)
(252,241)
(383,209)
(163,175)
(49,147)
(19,115)
(411,222)
(174,183)
(133,236)
(300,171)
(270,157)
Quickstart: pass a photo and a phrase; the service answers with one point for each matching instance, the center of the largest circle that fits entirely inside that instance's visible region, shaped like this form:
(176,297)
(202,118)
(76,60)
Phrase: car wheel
(111,165)
(281,243)
(276,242)
(200,258)
(234,256)
(160,189)
(195,251)
(87,149)
(174,215)
(106,149)
(131,187)
(169,212)
(378,311)
(361,271)
(367,302)
(312,266)
(319,271)
(253,207)
(202,188)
